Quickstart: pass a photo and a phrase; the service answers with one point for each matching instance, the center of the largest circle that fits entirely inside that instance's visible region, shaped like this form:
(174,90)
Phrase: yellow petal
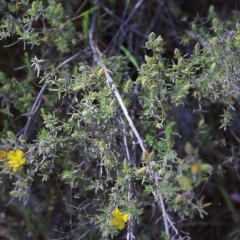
(121,226)
(11,155)
(19,154)
(113,222)
(116,212)
(125,217)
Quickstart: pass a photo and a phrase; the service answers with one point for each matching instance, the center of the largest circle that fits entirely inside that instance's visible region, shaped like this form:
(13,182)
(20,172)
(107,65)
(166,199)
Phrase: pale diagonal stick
(111,83)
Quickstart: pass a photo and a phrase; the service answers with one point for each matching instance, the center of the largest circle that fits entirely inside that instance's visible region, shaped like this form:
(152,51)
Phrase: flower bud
(148,45)
(159,39)
(215,22)
(141,170)
(101,72)
(102,144)
(201,122)
(62,81)
(145,155)
(77,88)
(194,27)
(128,85)
(151,156)
(180,62)
(196,94)
(34,6)
(161,63)
(228,41)
(178,198)
(213,66)
(159,125)
(211,9)
(112,103)
(188,148)
(149,59)
(15,193)
(152,36)
(175,67)
(186,87)
(197,47)
(7,87)
(205,167)
(177,52)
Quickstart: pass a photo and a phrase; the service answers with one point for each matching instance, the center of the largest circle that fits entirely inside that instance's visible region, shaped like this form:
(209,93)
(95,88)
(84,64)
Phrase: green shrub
(116,167)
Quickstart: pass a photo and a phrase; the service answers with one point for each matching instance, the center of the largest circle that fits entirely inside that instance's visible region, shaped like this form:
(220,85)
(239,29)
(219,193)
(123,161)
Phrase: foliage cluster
(69,155)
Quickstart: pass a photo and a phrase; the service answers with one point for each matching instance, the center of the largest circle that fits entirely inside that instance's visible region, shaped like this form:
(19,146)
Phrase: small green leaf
(11,135)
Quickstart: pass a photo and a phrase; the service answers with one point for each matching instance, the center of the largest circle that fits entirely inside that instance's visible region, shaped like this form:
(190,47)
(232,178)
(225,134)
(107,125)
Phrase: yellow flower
(3,154)
(195,169)
(119,219)
(15,160)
